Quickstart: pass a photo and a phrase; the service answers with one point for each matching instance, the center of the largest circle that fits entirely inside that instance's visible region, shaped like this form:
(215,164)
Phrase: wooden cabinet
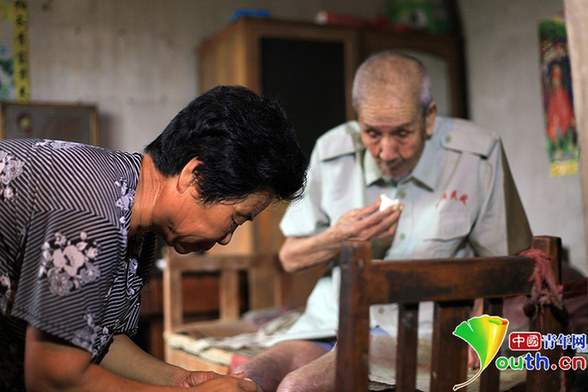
(306,66)
(310,68)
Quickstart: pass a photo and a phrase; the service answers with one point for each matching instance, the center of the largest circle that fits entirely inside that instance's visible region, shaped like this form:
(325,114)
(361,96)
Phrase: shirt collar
(371,170)
(424,172)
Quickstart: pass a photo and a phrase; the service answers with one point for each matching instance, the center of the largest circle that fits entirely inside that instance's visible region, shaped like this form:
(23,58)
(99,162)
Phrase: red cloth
(545,291)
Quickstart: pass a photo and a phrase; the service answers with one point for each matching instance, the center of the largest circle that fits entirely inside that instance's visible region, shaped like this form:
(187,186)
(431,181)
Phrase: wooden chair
(267,286)
(452,284)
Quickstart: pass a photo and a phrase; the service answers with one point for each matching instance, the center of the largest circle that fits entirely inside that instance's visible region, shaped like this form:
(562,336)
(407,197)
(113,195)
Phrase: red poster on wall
(560,124)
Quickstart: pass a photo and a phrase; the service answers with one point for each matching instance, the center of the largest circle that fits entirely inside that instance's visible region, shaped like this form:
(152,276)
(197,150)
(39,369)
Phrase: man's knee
(281,365)
(299,382)
(270,367)
(293,382)
(317,376)
(251,369)
(264,371)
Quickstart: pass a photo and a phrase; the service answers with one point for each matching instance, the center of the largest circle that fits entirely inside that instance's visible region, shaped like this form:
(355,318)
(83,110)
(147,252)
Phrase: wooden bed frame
(267,286)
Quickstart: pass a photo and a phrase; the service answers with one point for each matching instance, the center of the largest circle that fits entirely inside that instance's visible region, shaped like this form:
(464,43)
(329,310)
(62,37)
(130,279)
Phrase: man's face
(193,226)
(394,131)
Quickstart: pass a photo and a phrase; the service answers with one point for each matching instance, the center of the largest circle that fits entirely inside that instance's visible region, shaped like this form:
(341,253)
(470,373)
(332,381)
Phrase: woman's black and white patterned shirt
(66,264)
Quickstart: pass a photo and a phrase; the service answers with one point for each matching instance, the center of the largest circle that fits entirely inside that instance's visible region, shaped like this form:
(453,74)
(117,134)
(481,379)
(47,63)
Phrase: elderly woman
(78,236)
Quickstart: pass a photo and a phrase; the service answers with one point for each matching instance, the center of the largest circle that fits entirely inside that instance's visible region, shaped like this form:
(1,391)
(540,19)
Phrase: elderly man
(456,199)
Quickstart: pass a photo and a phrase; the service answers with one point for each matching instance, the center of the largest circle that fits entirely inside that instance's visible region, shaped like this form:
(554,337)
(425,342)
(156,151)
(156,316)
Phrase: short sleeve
(66,267)
(304,217)
(69,265)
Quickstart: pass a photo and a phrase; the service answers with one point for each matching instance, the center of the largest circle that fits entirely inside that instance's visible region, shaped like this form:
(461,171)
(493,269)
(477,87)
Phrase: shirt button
(402,236)
(448,139)
(401,195)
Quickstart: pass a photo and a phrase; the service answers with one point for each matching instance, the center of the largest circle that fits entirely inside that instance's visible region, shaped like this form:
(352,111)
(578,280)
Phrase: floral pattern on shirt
(5,292)
(57,144)
(127,195)
(125,203)
(10,168)
(134,283)
(69,264)
(86,336)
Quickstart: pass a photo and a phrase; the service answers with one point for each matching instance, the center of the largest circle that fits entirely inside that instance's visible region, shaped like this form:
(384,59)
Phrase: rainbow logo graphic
(485,335)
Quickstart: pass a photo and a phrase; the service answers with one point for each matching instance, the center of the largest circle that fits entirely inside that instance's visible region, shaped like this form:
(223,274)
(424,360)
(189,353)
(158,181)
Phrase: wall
(502,51)
(136,60)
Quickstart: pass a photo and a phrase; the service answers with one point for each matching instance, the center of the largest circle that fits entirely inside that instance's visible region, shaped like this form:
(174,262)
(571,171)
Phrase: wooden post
(354,330)
(576,14)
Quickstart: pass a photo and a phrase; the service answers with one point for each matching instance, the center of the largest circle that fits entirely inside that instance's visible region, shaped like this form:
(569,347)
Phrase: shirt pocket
(444,237)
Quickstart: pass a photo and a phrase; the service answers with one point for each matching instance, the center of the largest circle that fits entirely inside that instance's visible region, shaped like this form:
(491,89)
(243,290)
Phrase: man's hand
(368,223)
(365,223)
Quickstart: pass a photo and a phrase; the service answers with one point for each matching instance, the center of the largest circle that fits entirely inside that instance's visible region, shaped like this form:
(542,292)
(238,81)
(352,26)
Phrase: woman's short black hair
(245,143)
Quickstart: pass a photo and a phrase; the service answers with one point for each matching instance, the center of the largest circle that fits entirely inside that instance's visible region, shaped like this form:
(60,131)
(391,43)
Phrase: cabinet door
(308,78)
(308,68)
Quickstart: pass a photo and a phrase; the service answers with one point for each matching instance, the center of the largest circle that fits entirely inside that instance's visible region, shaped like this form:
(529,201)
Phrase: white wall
(502,51)
(136,60)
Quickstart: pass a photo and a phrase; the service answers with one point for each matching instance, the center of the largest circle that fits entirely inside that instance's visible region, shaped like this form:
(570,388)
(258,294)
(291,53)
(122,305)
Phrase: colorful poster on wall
(14,54)
(560,124)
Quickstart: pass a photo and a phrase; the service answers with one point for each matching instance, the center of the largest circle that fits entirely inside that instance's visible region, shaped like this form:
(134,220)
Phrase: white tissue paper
(386,202)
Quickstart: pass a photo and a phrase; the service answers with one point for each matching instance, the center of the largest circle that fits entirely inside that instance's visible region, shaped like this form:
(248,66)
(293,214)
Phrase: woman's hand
(189,379)
(52,364)
(214,382)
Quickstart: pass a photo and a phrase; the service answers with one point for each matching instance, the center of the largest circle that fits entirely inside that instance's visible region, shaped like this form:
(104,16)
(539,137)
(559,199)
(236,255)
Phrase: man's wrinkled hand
(368,223)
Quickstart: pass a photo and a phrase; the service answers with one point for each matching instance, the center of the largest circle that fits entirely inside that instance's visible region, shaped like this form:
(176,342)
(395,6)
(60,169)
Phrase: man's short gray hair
(386,69)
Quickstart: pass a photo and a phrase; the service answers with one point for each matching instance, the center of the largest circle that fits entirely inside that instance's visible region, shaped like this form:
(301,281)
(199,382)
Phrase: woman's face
(193,226)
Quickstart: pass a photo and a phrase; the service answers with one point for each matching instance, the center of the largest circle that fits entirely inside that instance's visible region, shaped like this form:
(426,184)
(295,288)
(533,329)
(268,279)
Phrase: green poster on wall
(14,54)
(560,123)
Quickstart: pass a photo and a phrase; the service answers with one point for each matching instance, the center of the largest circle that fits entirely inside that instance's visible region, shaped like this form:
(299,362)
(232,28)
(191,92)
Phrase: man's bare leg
(269,368)
(316,376)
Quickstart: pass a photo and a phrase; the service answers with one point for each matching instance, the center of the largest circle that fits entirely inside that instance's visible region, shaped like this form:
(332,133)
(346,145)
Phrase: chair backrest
(262,279)
(452,284)
(268,285)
